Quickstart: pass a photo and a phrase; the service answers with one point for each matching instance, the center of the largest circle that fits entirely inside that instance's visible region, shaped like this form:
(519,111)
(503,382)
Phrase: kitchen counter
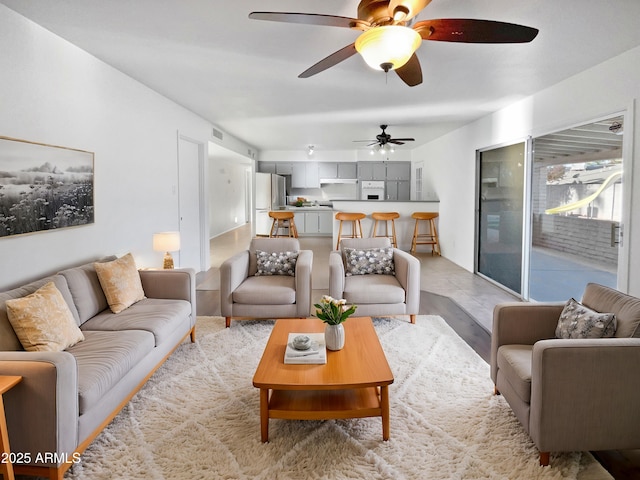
(404,225)
(311,208)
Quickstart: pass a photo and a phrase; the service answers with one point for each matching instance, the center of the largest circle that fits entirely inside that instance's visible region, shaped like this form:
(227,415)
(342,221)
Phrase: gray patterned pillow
(369,261)
(578,321)
(276,263)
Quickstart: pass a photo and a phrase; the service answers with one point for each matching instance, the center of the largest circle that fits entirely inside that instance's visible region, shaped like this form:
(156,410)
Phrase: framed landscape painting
(43,187)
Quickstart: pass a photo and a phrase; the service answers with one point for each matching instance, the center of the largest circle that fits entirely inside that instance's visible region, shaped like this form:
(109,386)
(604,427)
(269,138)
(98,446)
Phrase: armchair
(243,294)
(397,294)
(570,394)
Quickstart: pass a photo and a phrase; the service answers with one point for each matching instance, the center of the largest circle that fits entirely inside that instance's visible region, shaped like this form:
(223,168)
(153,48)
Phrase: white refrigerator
(270,195)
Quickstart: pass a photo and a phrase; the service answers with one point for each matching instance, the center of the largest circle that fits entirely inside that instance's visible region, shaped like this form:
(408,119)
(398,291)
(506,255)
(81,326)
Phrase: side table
(6,467)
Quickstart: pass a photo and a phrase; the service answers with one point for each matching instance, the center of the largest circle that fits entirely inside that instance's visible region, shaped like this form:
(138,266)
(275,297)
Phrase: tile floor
(470,292)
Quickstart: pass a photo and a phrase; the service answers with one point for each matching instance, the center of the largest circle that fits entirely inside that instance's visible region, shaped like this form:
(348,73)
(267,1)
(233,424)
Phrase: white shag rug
(198,418)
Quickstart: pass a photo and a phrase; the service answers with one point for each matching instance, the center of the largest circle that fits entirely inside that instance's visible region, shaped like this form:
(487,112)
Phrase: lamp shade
(166,241)
(389,46)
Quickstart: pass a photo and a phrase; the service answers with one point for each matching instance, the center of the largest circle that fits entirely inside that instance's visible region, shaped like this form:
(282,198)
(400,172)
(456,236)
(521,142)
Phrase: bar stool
(283,220)
(385,217)
(356,227)
(430,238)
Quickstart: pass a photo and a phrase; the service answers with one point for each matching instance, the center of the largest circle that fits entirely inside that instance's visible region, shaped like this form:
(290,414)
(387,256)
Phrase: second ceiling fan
(389,43)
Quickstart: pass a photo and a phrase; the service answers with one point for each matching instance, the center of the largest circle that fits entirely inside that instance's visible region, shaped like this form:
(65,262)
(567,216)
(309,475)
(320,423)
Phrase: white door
(191,176)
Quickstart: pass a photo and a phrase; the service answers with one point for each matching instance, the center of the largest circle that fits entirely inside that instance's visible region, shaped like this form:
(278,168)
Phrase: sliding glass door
(577,206)
(550,212)
(500,208)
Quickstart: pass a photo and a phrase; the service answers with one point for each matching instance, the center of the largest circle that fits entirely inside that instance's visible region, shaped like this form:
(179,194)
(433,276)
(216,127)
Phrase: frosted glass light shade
(389,45)
(166,241)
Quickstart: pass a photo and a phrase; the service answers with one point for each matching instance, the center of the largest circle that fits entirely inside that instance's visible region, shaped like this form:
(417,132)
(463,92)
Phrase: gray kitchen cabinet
(315,223)
(398,190)
(305,175)
(267,167)
(328,170)
(284,168)
(398,171)
(371,171)
(347,170)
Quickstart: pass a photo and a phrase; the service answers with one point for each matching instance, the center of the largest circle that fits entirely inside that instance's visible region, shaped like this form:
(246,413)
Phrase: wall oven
(372,190)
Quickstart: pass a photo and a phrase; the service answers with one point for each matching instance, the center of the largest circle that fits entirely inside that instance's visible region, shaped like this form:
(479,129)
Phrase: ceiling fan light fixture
(388,45)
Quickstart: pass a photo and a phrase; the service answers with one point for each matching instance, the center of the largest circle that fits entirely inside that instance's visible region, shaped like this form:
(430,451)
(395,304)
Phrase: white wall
(227,195)
(52,92)
(449,162)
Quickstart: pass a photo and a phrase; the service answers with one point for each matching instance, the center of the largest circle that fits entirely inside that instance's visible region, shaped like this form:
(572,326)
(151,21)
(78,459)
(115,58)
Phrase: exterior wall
(583,237)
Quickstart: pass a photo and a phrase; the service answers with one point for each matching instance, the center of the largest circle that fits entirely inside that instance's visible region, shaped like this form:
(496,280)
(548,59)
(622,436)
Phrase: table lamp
(166,242)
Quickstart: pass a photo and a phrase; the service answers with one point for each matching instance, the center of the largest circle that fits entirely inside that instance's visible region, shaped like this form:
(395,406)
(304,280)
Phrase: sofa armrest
(336,275)
(178,284)
(585,395)
(233,272)
(408,274)
(304,287)
(522,323)
(45,401)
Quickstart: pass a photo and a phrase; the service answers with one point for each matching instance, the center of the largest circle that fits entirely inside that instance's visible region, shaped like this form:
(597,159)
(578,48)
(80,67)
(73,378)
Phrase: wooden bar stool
(356,227)
(385,217)
(283,220)
(430,238)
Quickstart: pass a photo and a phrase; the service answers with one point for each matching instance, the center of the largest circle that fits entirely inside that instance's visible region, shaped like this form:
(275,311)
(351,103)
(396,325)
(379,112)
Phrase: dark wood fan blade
(396,142)
(306,18)
(403,139)
(411,72)
(474,31)
(330,61)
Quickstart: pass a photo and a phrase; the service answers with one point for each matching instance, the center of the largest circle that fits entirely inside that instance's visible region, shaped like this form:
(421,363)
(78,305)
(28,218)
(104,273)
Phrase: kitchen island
(313,220)
(404,224)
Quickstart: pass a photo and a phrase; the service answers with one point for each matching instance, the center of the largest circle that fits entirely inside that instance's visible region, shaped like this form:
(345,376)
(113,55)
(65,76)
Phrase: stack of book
(316,354)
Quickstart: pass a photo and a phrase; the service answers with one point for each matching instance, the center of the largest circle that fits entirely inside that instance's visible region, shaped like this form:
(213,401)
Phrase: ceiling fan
(389,43)
(384,138)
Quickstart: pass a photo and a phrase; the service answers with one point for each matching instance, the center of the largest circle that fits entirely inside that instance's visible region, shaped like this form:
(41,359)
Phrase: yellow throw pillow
(120,282)
(42,321)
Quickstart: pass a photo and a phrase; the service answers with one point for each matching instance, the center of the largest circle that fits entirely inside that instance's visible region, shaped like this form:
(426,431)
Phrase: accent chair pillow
(120,282)
(578,321)
(276,263)
(43,321)
(367,261)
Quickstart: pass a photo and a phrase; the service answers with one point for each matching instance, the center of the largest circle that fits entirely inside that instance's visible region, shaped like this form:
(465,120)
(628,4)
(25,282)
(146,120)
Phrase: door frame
(204,253)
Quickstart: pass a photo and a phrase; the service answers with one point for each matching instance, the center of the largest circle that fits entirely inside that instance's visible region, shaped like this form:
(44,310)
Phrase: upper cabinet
(267,167)
(384,171)
(371,171)
(284,168)
(347,170)
(305,175)
(328,170)
(398,171)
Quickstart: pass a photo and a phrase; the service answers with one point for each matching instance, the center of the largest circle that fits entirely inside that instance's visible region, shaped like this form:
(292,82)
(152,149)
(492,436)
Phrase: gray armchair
(245,295)
(574,394)
(397,294)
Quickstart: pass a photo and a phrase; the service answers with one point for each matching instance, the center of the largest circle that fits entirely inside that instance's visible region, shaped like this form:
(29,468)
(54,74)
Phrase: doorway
(500,213)
(577,207)
(550,212)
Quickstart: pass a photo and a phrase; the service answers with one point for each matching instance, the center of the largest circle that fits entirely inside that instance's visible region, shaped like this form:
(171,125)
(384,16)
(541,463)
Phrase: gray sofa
(570,394)
(66,398)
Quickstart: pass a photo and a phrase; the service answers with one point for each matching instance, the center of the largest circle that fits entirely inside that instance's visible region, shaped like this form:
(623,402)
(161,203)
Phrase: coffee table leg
(384,406)
(264,414)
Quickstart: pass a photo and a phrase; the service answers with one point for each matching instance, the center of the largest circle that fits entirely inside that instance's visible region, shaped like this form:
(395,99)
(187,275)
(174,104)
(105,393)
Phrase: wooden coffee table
(354,383)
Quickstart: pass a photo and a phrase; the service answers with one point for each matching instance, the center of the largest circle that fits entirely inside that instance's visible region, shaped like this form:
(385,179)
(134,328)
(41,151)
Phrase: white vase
(334,336)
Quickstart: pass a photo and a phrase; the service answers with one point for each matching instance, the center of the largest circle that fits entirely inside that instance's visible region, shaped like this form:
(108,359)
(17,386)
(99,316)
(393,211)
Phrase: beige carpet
(198,418)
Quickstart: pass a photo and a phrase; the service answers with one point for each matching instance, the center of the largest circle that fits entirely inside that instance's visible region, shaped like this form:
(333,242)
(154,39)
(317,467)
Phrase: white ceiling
(242,75)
